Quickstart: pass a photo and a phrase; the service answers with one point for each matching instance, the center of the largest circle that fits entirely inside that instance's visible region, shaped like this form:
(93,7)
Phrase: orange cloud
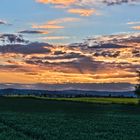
(44,32)
(70,3)
(82,12)
(57,2)
(29,64)
(52,24)
(136,27)
(63,20)
(47,26)
(133,22)
(55,37)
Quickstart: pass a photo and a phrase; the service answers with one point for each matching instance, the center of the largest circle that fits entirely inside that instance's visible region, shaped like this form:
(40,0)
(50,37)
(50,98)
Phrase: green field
(49,119)
(99,100)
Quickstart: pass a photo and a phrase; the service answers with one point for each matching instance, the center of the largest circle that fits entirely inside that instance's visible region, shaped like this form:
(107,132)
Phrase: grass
(29,118)
(101,100)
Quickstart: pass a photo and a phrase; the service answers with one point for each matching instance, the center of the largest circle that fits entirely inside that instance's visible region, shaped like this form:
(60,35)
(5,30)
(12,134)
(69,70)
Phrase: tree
(137,87)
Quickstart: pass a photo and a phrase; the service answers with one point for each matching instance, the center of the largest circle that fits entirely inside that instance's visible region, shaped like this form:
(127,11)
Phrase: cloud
(69,62)
(12,38)
(33,32)
(82,12)
(57,2)
(63,20)
(113,41)
(136,27)
(90,61)
(63,56)
(2,22)
(136,53)
(55,37)
(84,7)
(86,2)
(107,53)
(133,22)
(47,26)
(73,6)
(54,24)
(59,52)
(114,2)
(31,48)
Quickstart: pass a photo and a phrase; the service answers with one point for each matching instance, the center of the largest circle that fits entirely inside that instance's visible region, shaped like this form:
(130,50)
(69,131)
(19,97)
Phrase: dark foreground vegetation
(37,119)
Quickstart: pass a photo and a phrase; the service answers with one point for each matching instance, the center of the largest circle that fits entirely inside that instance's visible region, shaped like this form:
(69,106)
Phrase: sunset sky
(69,42)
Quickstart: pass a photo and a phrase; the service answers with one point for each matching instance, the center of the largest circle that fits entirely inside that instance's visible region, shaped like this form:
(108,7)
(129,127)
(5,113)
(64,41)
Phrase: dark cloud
(114,2)
(9,66)
(12,38)
(126,66)
(101,46)
(83,58)
(2,22)
(59,53)
(107,53)
(68,56)
(136,53)
(109,41)
(14,68)
(32,48)
(32,32)
(109,46)
(68,62)
(32,73)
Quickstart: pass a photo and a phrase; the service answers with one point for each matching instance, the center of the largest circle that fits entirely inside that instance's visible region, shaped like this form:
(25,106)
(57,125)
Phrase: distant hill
(66,93)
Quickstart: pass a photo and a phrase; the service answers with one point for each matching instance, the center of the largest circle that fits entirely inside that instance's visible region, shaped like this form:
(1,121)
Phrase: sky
(69,42)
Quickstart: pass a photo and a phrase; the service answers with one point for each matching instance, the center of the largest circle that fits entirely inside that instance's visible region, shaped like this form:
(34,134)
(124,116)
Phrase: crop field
(99,100)
(45,119)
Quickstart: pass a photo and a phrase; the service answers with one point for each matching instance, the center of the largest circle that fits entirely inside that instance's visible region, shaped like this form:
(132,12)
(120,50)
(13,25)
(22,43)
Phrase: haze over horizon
(69,43)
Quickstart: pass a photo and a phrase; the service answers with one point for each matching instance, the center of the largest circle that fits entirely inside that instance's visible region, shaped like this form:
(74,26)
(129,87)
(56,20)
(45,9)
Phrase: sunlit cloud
(85,63)
(55,37)
(57,2)
(36,50)
(47,26)
(63,20)
(87,2)
(82,12)
(136,27)
(85,7)
(54,24)
(117,39)
(133,22)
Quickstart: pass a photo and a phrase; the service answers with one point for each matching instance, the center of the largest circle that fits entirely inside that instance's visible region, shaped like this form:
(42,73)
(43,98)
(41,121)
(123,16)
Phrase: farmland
(98,100)
(29,118)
